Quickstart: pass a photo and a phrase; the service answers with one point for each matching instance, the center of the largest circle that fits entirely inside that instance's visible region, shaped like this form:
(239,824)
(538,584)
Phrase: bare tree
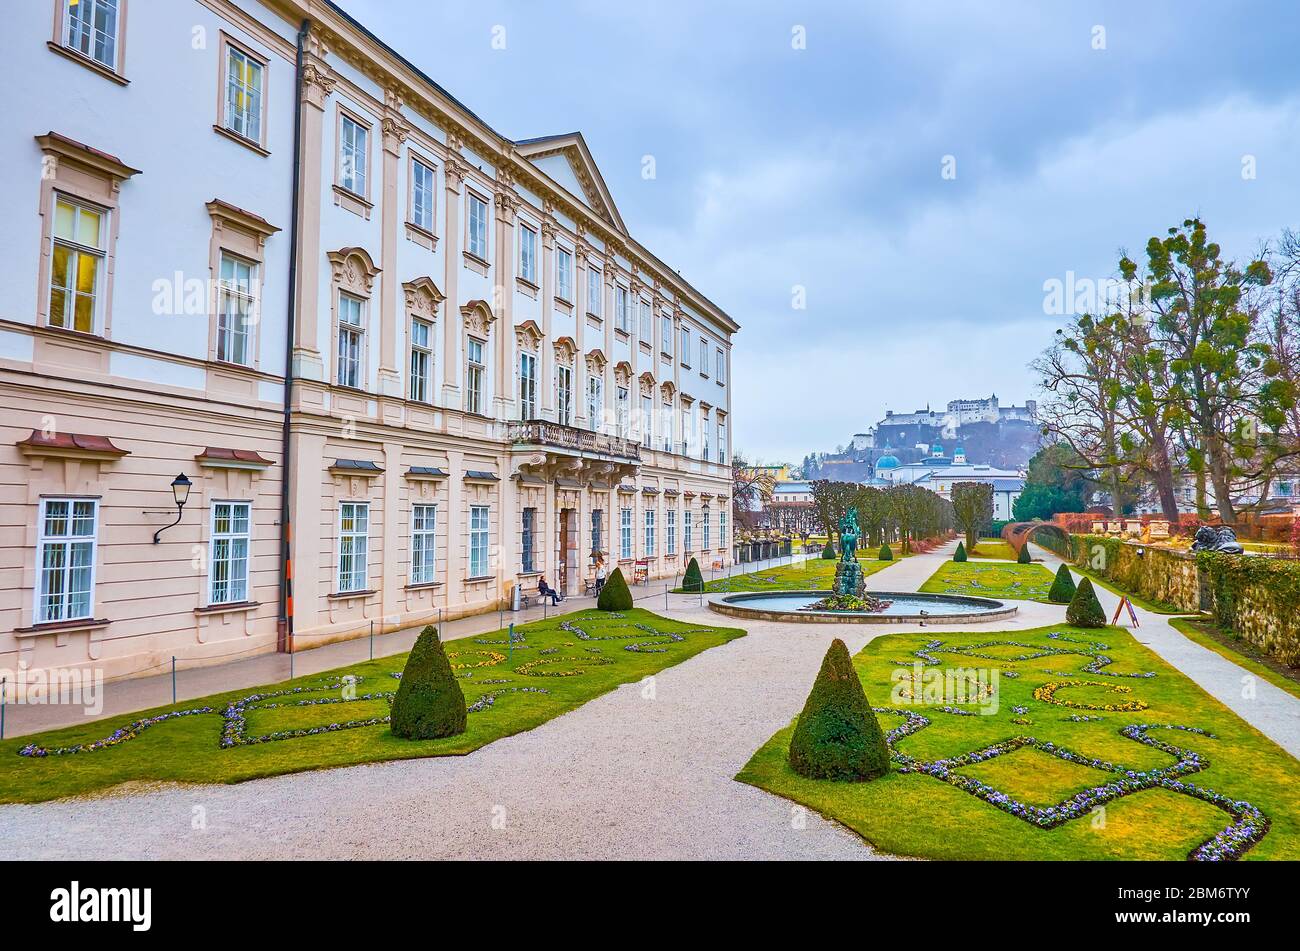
(972,506)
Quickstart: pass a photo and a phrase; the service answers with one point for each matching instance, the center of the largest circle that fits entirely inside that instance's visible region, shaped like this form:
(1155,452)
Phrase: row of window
(66,541)
(80,236)
(69,534)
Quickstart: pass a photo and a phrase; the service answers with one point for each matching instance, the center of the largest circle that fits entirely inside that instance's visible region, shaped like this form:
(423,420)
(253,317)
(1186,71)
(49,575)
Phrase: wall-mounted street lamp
(181,492)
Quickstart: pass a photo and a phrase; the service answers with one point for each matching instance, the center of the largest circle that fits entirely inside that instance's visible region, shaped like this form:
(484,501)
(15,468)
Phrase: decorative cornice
(64,149)
(224,214)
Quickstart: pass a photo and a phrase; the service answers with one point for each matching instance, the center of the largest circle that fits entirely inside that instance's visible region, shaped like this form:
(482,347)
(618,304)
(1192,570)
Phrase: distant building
(960,413)
(939,474)
(777,473)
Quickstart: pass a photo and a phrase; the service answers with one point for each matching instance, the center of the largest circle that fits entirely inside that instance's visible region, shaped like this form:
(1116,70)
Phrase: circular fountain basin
(905,608)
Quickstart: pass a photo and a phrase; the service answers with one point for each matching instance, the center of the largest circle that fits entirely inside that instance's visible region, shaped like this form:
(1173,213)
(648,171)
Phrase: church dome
(887,462)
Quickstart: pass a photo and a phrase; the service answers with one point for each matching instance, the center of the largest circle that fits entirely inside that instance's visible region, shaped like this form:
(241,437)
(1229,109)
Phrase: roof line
(731,325)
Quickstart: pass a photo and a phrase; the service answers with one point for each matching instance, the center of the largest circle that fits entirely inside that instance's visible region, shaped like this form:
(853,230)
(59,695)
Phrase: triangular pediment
(568,162)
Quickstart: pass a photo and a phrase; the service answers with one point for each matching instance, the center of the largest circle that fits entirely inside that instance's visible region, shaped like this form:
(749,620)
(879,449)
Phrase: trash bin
(515,603)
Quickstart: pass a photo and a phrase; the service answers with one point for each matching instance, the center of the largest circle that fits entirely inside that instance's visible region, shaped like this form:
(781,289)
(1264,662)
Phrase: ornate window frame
(353,272)
(86,175)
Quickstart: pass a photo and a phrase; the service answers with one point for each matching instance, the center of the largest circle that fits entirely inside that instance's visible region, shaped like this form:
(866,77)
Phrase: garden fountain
(849,602)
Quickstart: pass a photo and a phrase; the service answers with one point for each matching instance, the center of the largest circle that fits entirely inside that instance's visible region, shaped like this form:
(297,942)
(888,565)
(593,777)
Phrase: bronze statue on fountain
(849,590)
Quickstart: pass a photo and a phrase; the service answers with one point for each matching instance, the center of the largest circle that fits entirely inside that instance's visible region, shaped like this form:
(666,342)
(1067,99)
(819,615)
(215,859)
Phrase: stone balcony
(551,450)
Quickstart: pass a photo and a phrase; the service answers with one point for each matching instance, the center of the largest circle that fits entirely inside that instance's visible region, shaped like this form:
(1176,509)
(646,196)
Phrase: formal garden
(813,573)
(1071,743)
(342,717)
(991,579)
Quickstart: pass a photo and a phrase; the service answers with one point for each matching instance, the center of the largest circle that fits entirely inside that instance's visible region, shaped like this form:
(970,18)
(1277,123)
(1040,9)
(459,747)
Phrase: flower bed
(1221,795)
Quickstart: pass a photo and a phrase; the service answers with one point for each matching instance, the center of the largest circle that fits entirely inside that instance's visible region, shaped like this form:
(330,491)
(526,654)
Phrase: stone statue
(1218,538)
(849,536)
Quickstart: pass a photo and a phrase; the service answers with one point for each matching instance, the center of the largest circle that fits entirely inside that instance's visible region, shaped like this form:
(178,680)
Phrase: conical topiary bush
(693,580)
(615,596)
(885,553)
(837,735)
(960,554)
(828,552)
(1062,591)
(429,703)
(1085,610)
(1023,558)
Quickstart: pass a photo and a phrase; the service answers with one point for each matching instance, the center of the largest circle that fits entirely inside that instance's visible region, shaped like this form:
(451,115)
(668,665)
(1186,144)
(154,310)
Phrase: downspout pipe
(284,625)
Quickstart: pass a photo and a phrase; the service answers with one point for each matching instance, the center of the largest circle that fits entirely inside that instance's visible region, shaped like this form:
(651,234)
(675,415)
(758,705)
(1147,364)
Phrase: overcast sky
(823,167)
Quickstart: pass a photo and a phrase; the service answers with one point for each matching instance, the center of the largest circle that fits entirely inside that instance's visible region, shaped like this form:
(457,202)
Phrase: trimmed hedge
(429,703)
(885,553)
(1254,598)
(837,735)
(1085,610)
(1062,591)
(828,552)
(615,596)
(693,580)
(960,554)
(1023,558)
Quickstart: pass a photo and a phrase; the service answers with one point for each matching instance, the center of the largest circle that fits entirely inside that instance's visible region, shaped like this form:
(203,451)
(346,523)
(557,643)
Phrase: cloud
(820,168)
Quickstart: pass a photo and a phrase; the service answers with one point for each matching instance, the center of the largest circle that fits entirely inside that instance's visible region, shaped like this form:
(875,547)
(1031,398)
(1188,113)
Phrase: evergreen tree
(837,735)
(1085,610)
(429,703)
(693,580)
(1062,591)
(615,596)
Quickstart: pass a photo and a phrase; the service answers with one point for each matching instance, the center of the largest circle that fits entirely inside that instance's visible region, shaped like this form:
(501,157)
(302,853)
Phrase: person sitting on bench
(546,591)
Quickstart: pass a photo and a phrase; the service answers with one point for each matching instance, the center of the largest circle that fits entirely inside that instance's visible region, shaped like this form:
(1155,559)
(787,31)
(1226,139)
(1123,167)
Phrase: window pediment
(478,317)
(529,336)
(353,269)
(423,297)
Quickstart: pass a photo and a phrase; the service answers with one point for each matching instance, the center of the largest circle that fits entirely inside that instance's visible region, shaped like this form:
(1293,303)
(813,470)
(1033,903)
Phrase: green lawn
(815,574)
(991,580)
(993,548)
(547,671)
(938,803)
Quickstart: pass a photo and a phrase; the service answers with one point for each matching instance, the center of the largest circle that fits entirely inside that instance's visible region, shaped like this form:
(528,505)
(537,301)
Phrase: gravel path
(624,776)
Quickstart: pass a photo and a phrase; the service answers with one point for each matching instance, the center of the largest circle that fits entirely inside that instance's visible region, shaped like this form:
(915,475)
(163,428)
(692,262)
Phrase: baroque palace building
(403,362)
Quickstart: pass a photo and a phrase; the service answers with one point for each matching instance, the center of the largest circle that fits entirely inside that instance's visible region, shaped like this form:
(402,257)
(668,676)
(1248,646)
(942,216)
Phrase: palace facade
(392,362)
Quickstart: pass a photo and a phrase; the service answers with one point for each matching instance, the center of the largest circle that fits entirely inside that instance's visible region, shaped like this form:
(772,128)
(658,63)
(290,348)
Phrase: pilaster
(395,131)
(317,85)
